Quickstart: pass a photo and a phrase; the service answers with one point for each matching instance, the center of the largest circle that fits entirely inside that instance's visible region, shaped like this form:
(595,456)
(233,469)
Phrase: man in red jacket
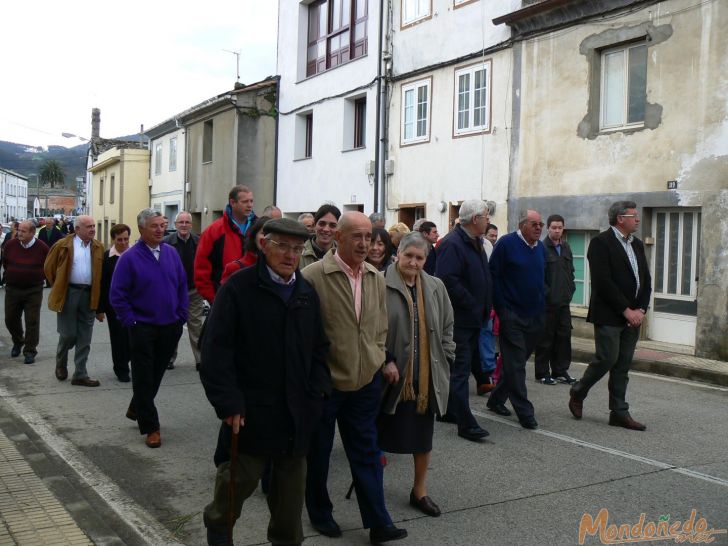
(223,241)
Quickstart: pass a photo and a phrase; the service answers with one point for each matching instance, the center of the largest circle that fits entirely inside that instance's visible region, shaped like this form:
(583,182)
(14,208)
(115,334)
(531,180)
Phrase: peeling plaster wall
(562,168)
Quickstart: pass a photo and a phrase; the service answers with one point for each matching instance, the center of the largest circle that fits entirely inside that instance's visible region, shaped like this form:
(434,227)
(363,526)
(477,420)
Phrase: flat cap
(285,226)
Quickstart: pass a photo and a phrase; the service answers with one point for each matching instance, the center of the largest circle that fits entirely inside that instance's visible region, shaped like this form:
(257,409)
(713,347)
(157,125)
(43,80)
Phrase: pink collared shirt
(355,279)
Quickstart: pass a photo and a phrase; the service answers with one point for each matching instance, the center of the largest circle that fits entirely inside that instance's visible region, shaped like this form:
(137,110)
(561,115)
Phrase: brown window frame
(360,122)
(333,57)
(308,147)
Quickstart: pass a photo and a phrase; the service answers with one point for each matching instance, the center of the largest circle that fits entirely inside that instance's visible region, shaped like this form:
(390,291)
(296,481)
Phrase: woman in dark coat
(118,335)
(420,349)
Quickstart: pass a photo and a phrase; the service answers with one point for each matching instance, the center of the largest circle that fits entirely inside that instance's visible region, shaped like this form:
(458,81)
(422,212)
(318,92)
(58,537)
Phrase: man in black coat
(264,371)
(621,289)
(463,267)
(554,347)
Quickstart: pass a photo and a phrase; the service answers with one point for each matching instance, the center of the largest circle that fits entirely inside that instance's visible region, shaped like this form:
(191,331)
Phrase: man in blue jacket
(463,267)
(518,268)
(149,295)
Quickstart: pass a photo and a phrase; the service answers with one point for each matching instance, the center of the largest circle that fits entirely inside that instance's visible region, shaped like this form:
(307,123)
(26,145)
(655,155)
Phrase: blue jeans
(487,348)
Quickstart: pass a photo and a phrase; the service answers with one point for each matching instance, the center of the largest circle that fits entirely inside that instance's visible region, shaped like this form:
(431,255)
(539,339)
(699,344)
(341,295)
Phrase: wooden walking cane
(231,488)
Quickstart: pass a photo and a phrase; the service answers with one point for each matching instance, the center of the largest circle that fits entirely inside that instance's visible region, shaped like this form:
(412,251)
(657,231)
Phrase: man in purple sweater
(149,295)
(24,258)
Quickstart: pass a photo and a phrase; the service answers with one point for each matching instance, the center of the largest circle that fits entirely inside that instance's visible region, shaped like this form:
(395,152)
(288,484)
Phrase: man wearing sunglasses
(517,266)
(620,295)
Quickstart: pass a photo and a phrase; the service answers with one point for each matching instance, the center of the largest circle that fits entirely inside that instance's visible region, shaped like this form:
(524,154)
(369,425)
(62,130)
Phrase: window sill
(485,131)
(621,128)
(409,24)
(404,144)
(303,158)
(345,150)
(330,69)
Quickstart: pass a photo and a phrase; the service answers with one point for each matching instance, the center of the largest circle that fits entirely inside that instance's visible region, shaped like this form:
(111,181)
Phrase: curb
(666,368)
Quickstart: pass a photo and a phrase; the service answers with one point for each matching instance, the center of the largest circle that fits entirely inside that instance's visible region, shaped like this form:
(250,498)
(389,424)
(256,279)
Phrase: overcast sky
(140,62)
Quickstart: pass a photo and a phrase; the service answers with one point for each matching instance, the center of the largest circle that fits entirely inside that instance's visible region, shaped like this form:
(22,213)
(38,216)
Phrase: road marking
(148,529)
(610,451)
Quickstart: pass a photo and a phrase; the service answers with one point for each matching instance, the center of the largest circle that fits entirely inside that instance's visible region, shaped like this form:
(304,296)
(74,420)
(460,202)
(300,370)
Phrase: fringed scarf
(408,391)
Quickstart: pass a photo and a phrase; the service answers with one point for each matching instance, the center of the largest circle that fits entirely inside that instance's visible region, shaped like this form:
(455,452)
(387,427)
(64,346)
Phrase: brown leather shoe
(61,374)
(86,382)
(575,406)
(425,505)
(153,439)
(625,421)
(485,388)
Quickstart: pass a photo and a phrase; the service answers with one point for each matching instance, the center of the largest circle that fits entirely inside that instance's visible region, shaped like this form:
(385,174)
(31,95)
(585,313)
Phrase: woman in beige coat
(420,349)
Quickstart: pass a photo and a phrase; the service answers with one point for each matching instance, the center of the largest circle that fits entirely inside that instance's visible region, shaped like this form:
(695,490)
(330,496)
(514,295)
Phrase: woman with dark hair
(118,335)
(326,220)
(251,249)
(381,249)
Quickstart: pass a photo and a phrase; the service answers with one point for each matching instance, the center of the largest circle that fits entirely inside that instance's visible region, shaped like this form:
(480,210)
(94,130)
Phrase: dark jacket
(560,286)
(107,271)
(431,261)
(220,243)
(265,359)
(50,235)
(613,285)
(463,267)
(186,250)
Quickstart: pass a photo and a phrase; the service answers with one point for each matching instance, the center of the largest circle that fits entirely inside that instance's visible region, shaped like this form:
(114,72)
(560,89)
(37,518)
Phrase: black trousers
(518,338)
(554,347)
(19,301)
(467,360)
(151,348)
(119,337)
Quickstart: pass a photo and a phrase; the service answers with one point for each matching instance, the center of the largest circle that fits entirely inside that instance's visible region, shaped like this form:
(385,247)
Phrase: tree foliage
(51,173)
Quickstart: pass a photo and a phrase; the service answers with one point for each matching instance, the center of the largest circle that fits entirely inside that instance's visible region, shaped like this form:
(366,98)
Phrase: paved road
(519,487)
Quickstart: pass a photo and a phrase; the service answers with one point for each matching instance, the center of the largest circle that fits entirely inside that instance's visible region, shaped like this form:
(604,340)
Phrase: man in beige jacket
(353,307)
(73,267)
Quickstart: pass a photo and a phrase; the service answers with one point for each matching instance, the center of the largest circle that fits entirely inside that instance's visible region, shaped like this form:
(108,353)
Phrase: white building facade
(449,110)
(13,196)
(328,61)
(167,168)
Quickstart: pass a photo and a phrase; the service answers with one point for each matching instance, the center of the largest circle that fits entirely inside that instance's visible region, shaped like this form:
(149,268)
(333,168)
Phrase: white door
(675,261)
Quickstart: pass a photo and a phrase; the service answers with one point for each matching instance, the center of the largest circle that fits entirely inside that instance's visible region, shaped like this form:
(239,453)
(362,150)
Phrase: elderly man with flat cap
(265,374)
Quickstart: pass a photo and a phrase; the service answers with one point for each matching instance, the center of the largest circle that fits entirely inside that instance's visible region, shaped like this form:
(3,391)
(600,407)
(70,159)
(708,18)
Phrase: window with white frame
(623,86)
(414,10)
(472,99)
(158,158)
(172,154)
(416,112)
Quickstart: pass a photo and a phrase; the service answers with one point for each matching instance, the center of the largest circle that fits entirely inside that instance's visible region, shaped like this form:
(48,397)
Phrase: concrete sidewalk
(663,359)
(29,513)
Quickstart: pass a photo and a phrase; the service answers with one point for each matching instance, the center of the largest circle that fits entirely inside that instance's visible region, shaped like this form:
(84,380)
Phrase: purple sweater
(146,290)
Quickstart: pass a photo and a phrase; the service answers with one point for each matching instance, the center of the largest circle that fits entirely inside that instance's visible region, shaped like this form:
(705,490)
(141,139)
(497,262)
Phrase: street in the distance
(518,487)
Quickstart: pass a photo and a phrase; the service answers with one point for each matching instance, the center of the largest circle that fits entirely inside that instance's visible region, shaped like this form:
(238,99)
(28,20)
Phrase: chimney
(95,124)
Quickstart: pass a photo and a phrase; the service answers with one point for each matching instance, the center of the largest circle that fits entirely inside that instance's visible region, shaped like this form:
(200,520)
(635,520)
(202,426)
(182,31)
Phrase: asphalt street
(518,487)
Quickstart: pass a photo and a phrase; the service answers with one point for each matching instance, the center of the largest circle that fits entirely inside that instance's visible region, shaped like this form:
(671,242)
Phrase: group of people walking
(308,329)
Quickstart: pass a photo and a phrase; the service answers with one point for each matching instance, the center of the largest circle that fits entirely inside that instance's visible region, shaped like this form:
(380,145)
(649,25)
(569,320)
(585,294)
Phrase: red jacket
(221,243)
(248,259)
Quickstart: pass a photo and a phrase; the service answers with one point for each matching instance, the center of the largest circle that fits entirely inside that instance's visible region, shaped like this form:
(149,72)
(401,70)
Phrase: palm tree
(52,173)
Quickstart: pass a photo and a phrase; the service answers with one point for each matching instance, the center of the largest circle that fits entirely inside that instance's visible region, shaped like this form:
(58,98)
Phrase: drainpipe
(379,150)
(275,148)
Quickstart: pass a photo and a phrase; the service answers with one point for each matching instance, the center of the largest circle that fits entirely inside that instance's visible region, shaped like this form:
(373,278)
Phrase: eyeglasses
(536,224)
(285,248)
(629,215)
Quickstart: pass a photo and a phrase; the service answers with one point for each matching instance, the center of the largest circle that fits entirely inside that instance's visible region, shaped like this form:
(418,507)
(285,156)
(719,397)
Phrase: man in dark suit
(621,289)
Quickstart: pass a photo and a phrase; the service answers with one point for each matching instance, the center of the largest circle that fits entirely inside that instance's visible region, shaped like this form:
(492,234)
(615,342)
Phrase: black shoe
(548,380)
(447,418)
(217,535)
(473,433)
(500,409)
(170,366)
(565,378)
(425,505)
(29,359)
(124,378)
(16,350)
(329,528)
(197,366)
(529,423)
(378,535)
